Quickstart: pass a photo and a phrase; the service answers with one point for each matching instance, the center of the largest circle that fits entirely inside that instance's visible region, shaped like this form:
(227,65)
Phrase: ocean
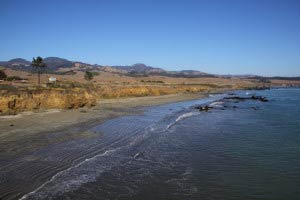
(241,148)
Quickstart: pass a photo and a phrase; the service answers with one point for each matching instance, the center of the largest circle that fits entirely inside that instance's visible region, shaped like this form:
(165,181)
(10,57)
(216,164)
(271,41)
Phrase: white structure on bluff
(52,79)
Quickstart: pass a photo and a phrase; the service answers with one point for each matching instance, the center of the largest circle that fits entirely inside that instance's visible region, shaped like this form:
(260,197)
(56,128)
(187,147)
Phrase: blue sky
(217,36)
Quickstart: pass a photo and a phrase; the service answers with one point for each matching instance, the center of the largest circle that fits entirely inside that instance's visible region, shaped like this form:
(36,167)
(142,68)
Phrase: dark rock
(203,108)
(253,97)
(236,98)
(260,98)
(264,99)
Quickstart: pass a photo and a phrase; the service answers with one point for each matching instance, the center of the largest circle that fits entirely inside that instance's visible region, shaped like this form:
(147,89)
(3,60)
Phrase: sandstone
(42,99)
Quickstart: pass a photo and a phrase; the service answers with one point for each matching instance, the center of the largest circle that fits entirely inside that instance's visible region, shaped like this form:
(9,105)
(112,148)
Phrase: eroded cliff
(12,102)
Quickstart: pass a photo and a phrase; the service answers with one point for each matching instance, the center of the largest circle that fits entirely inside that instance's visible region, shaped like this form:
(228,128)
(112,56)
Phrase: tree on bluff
(39,65)
(2,75)
(88,75)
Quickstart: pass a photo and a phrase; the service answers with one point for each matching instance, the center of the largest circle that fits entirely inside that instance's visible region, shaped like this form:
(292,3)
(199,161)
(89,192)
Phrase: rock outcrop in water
(19,101)
(259,98)
(203,108)
(232,99)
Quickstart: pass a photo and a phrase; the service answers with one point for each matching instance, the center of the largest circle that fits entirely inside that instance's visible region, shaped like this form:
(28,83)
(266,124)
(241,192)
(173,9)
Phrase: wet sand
(28,141)
(24,138)
(27,132)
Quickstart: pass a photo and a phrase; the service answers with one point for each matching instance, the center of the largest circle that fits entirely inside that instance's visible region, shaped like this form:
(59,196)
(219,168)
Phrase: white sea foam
(181,117)
(136,155)
(216,104)
(71,178)
(71,183)
(62,185)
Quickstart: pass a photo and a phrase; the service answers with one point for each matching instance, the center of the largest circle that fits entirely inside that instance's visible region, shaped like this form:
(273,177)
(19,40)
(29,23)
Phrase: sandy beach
(27,132)
(23,135)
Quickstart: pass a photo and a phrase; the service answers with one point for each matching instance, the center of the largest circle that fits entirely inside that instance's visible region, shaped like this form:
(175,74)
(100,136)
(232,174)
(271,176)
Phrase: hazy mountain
(190,73)
(60,64)
(19,61)
(139,68)
(54,63)
(17,64)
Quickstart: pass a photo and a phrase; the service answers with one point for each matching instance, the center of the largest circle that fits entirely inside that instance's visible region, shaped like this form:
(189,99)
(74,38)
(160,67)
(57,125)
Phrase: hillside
(56,65)
(20,92)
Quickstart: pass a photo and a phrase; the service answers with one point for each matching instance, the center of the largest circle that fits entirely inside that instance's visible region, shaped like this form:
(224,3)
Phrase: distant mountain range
(54,64)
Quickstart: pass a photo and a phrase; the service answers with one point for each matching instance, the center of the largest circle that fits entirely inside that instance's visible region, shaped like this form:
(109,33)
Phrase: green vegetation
(67,85)
(151,81)
(8,87)
(88,76)
(95,73)
(71,72)
(2,75)
(14,78)
(39,65)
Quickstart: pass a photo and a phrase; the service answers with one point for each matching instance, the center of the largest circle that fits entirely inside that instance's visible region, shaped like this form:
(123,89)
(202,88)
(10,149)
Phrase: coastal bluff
(13,102)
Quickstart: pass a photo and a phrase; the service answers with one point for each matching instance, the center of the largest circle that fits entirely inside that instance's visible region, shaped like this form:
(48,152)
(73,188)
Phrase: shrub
(95,73)
(71,72)
(2,75)
(88,76)
(13,78)
(7,87)
(151,81)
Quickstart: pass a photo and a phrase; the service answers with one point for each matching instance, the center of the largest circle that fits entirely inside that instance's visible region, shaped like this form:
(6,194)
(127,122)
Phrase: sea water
(238,150)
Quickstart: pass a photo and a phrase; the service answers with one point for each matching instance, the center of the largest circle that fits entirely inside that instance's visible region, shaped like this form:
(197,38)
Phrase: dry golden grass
(113,85)
(73,91)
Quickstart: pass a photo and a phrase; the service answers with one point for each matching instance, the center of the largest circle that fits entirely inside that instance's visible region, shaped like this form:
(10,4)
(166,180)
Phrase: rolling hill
(56,64)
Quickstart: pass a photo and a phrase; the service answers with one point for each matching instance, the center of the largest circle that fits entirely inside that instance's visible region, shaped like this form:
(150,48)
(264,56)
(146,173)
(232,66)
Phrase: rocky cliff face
(19,101)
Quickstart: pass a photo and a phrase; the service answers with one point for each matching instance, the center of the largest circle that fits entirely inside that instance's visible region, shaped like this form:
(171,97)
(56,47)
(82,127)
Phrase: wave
(181,117)
(87,170)
(249,93)
(91,168)
(216,104)
(83,178)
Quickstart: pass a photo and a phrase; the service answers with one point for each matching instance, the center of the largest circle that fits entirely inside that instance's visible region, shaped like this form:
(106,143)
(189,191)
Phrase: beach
(27,131)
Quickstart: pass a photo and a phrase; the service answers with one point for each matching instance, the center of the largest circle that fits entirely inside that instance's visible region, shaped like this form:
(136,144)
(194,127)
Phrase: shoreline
(27,132)
(18,146)
(20,133)
(22,136)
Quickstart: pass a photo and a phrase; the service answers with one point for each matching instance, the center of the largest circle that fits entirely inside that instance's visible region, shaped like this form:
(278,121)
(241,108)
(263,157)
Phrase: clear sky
(217,36)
